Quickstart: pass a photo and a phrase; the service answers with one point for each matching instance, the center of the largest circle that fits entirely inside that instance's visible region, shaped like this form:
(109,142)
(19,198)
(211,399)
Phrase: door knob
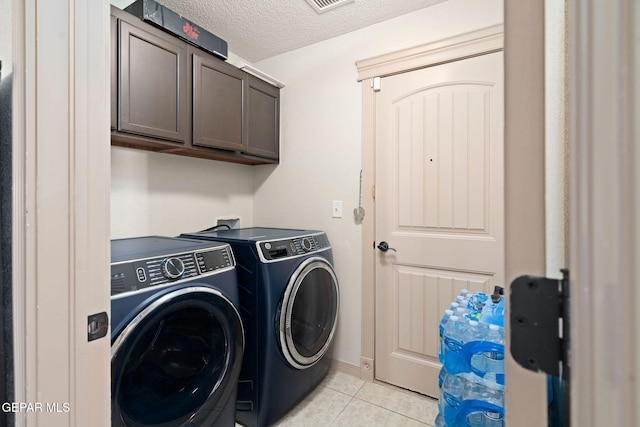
(384,247)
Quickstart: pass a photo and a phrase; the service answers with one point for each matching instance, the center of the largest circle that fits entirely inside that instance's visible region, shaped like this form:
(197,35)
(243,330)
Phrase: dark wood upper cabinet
(263,118)
(171,97)
(218,104)
(152,89)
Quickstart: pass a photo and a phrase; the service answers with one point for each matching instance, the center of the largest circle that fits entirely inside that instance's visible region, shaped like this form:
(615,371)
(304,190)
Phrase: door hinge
(539,322)
(376,84)
(373,191)
(540,325)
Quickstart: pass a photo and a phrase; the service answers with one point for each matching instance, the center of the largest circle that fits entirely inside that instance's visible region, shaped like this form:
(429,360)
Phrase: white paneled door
(439,206)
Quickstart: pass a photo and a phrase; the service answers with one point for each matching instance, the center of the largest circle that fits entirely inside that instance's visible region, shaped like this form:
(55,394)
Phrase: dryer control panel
(275,250)
(133,275)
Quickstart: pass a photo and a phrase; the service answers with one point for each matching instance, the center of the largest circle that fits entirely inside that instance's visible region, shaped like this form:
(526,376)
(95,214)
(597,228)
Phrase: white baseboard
(346,368)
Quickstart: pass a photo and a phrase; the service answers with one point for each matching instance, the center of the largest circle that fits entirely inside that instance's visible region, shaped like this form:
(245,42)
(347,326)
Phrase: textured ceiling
(259,29)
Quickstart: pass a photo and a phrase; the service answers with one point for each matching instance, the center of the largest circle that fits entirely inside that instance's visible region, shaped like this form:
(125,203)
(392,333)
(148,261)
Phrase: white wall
(556,139)
(121,3)
(164,194)
(321,138)
(6,38)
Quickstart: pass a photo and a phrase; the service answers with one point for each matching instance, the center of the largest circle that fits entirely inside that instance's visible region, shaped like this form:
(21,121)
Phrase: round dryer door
(178,361)
(309,313)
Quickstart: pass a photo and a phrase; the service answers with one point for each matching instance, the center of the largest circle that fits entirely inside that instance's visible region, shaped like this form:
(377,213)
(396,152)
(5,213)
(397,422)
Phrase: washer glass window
(309,313)
(175,363)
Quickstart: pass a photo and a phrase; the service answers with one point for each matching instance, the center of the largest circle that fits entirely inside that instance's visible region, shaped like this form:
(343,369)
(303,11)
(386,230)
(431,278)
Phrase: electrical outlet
(336,209)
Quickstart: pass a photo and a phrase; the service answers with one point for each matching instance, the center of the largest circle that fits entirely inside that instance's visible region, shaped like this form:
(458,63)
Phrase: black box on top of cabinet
(169,21)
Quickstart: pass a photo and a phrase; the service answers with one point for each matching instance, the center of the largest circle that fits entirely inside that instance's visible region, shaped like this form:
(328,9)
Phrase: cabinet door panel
(263,119)
(113,52)
(153,84)
(218,104)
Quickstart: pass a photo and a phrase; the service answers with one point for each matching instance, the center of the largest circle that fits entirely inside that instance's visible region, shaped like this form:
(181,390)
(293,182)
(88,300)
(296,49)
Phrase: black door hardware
(384,247)
(539,320)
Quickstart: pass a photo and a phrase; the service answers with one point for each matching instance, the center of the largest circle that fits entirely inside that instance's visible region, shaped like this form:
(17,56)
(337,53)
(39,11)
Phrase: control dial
(306,244)
(172,268)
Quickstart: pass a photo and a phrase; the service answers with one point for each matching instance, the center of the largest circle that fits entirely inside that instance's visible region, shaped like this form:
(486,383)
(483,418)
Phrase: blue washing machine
(177,338)
(289,299)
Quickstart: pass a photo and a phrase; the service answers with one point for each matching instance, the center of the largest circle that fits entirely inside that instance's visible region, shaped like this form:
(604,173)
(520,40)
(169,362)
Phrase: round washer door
(309,313)
(178,361)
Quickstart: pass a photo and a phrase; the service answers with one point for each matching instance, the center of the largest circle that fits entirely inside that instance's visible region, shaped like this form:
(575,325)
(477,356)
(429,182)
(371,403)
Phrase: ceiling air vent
(321,6)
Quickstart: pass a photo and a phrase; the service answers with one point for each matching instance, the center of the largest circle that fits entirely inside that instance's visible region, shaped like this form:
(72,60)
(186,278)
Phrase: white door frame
(525,226)
(61,170)
(605,211)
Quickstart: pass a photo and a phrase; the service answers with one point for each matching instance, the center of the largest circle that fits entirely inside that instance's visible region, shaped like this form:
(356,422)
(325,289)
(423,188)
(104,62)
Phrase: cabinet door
(218,104)
(153,84)
(263,118)
(113,53)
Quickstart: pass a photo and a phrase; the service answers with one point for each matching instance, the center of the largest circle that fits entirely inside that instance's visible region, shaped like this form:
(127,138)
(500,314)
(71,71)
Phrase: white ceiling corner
(259,29)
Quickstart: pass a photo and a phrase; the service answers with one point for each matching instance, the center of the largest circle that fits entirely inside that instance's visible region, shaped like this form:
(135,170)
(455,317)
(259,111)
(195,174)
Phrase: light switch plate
(337,209)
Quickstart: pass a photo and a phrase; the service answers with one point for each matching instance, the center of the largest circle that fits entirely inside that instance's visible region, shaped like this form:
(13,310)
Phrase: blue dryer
(289,301)
(176,334)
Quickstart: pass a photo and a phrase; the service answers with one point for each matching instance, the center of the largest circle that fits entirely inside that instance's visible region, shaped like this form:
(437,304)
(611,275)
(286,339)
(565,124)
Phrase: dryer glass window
(309,315)
(313,313)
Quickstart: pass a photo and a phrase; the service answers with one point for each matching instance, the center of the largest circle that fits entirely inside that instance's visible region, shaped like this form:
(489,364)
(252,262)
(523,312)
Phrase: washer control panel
(138,274)
(275,250)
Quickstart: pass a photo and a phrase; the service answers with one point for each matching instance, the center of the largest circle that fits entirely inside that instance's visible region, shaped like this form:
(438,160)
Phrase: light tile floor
(345,401)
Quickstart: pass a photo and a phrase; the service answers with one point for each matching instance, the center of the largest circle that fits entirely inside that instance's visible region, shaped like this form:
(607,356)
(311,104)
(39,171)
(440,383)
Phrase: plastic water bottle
(439,421)
(441,376)
(463,298)
(486,358)
(493,313)
(463,301)
(475,332)
(474,336)
(494,361)
(478,300)
(443,322)
(454,332)
(453,389)
(482,404)
(461,311)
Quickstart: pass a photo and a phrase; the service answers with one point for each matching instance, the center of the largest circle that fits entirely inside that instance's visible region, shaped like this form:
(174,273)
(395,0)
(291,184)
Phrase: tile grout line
(352,397)
(333,422)
(355,397)
(399,391)
(391,410)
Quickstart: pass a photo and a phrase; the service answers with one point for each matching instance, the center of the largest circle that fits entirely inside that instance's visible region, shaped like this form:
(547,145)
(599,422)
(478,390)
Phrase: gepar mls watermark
(59,407)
